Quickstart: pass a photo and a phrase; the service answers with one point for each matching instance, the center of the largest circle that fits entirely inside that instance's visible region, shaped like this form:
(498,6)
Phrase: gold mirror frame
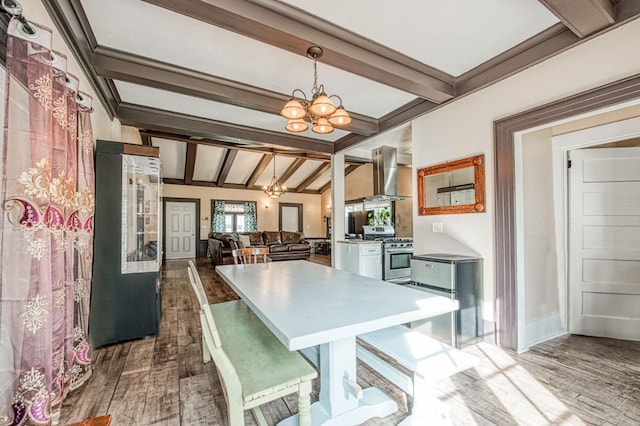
(478,206)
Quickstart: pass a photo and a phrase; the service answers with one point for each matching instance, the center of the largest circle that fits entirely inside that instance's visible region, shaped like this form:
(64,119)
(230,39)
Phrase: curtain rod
(14,8)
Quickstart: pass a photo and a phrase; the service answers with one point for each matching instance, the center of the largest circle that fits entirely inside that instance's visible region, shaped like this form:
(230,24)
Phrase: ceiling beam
(350,169)
(229,158)
(257,172)
(324,187)
(190,162)
(71,22)
(173,122)
(280,151)
(291,169)
(148,72)
(548,43)
(583,17)
(312,177)
(291,29)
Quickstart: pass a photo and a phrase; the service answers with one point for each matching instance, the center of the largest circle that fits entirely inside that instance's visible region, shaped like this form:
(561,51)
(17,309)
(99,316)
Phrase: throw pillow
(244,239)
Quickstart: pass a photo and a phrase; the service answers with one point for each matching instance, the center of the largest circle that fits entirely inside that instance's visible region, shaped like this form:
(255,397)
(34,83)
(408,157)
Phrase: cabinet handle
(428,266)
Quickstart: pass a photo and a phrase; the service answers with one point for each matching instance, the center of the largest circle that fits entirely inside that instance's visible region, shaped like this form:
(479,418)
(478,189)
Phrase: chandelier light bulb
(340,117)
(322,126)
(298,125)
(322,106)
(293,109)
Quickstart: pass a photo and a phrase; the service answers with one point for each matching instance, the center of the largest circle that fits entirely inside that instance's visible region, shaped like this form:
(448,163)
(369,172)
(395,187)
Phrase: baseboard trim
(544,329)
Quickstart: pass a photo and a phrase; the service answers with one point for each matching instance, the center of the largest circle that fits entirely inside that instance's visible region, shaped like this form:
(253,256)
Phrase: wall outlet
(437,227)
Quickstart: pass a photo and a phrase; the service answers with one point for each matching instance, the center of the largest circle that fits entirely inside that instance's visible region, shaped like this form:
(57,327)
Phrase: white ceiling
(221,70)
(452,36)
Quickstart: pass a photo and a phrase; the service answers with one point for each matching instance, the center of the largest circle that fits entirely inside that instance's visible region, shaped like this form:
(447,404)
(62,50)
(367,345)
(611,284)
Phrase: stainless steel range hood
(385,175)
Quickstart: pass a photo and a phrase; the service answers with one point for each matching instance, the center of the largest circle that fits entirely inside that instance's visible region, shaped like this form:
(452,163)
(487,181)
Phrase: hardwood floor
(162,380)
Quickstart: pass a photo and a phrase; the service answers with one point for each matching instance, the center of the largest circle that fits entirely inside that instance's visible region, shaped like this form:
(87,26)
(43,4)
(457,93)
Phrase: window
(233,216)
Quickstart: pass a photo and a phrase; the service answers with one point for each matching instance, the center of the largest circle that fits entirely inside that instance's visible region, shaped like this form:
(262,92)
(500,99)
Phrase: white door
(604,242)
(181,230)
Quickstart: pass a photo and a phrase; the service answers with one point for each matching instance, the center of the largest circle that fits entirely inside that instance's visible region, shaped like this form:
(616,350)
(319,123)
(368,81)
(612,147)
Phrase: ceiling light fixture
(320,110)
(276,189)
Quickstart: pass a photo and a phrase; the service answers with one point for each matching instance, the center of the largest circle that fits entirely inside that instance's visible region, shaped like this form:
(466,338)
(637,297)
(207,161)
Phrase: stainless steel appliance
(455,277)
(396,253)
(396,260)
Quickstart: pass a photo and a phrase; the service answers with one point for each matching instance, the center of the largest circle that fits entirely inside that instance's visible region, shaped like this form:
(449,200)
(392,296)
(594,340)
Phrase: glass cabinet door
(140,214)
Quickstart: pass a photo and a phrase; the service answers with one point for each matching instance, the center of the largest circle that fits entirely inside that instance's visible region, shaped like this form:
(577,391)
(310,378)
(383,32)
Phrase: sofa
(283,245)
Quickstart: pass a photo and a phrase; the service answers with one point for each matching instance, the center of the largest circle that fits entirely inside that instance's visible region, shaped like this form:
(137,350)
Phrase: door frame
(164,223)
(561,146)
(300,207)
(609,96)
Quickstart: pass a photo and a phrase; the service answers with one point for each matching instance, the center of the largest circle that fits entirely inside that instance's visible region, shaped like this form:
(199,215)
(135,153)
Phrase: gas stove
(398,242)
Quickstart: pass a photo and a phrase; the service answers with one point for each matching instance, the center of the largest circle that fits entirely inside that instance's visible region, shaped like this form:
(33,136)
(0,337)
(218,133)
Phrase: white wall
(540,253)
(465,128)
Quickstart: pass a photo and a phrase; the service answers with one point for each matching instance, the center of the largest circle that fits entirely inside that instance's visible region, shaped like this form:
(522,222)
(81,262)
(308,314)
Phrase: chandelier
(319,110)
(275,189)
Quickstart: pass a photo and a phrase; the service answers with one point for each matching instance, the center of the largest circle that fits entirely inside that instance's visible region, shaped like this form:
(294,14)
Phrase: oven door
(397,265)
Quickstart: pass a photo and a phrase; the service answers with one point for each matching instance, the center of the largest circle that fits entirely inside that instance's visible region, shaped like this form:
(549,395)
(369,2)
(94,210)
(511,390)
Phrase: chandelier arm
(339,99)
(304,95)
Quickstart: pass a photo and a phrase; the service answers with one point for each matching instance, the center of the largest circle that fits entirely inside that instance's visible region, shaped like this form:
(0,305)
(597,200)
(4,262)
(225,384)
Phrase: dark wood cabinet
(126,287)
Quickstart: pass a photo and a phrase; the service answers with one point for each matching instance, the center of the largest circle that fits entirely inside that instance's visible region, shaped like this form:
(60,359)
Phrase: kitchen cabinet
(126,291)
(361,257)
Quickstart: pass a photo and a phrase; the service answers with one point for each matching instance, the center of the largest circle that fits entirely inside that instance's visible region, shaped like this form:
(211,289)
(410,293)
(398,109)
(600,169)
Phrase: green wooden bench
(254,367)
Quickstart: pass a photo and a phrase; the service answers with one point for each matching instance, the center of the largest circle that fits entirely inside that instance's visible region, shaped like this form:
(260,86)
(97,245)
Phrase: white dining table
(306,304)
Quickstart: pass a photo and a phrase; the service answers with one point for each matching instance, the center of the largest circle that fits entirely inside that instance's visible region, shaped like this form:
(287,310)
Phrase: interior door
(181,229)
(290,217)
(604,242)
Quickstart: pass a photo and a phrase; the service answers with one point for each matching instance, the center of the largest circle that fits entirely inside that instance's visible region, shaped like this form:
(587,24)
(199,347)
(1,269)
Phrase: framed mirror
(452,187)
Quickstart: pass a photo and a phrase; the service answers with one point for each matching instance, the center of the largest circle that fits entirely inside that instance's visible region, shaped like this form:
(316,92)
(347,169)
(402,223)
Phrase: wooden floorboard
(162,380)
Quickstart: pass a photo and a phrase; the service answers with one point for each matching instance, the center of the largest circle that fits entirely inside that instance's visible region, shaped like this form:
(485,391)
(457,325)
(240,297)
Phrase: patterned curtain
(250,217)
(46,232)
(217,218)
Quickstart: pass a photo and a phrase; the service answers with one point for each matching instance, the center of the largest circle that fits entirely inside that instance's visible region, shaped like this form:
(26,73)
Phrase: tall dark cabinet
(126,287)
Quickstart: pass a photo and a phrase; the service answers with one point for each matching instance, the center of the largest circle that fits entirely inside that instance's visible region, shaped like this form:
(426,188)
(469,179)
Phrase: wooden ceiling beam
(73,25)
(258,149)
(297,163)
(190,162)
(173,122)
(229,158)
(350,169)
(257,172)
(148,72)
(583,17)
(291,29)
(313,176)
(324,187)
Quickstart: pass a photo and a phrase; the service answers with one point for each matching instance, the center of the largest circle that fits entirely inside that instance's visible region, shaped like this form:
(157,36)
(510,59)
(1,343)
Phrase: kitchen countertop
(359,241)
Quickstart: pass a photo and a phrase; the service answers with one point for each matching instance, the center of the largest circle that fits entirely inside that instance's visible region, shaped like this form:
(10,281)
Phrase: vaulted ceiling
(205,80)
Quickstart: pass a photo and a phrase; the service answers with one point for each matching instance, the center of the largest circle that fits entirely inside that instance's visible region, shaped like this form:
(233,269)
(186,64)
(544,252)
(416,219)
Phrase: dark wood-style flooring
(162,380)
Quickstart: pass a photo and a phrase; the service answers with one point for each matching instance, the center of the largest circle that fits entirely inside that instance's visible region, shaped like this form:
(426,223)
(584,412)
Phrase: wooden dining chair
(250,255)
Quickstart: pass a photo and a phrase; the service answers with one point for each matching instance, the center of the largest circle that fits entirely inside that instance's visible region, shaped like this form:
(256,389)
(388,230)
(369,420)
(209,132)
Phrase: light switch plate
(437,227)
